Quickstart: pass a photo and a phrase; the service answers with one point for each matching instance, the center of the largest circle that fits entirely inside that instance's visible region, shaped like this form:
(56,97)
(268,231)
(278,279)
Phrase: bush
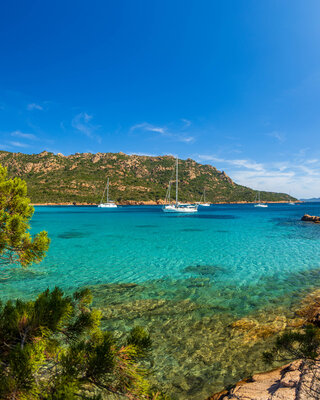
(53,348)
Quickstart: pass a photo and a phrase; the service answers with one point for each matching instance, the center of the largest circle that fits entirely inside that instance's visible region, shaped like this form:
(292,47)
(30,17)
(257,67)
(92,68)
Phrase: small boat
(176,207)
(258,202)
(109,203)
(291,203)
(204,204)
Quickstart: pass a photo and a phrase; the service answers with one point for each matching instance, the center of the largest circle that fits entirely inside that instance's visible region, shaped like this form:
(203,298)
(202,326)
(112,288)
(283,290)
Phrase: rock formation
(295,381)
(311,218)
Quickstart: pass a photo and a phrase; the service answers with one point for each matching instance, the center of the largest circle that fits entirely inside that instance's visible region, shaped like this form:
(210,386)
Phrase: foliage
(16,243)
(53,349)
(291,345)
(82,178)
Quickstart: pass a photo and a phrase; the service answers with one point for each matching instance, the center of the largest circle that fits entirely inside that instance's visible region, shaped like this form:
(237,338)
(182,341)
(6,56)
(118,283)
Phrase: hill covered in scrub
(81,178)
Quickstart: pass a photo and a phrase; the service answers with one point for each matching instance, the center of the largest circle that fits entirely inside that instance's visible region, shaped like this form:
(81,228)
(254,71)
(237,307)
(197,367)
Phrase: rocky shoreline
(298,380)
(294,381)
(147,203)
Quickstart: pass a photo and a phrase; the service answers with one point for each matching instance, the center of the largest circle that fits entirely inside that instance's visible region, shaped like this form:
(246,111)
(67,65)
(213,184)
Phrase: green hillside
(81,177)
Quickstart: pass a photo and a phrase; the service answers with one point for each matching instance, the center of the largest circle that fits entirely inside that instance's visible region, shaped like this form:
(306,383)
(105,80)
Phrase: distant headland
(55,179)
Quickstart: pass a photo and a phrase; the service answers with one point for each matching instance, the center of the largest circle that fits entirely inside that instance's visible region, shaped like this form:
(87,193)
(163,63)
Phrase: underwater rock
(147,307)
(203,270)
(244,324)
(253,330)
(72,235)
(310,308)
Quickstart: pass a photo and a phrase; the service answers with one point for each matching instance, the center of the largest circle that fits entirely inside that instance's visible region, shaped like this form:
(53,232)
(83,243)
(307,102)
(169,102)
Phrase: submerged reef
(205,336)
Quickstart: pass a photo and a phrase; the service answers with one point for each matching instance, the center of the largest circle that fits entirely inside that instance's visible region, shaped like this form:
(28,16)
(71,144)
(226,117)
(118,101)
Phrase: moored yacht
(108,203)
(291,203)
(258,202)
(176,207)
(204,204)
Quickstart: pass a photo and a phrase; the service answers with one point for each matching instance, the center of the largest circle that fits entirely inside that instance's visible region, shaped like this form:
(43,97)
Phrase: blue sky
(232,83)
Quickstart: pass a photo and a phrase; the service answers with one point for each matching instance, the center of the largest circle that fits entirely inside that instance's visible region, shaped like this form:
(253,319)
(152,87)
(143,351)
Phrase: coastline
(289,382)
(152,203)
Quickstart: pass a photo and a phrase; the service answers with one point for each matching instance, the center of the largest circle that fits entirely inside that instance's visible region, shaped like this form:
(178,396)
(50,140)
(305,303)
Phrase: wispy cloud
(137,153)
(163,131)
(186,122)
(23,135)
(81,122)
(280,136)
(145,126)
(238,163)
(18,144)
(299,177)
(34,106)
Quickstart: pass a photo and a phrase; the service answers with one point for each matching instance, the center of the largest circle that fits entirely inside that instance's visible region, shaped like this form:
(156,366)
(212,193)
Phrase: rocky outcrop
(311,218)
(295,381)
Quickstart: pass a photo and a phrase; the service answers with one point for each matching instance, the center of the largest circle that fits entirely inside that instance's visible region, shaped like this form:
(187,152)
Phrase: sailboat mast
(177,181)
(108,190)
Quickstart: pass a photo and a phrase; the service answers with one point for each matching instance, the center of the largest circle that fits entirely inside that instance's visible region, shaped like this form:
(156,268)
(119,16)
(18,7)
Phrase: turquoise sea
(188,278)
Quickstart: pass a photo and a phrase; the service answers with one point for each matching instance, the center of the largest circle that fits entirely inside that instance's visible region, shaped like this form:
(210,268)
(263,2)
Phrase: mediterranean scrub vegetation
(81,177)
(53,348)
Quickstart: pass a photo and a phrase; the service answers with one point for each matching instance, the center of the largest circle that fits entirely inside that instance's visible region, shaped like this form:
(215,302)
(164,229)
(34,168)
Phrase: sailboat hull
(180,209)
(107,205)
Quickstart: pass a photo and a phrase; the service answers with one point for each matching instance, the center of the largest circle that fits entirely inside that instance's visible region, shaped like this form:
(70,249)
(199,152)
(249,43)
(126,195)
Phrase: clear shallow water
(187,277)
(138,244)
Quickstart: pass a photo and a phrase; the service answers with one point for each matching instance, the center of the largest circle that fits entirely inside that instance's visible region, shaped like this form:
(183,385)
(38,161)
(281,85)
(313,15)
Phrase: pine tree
(16,243)
(53,349)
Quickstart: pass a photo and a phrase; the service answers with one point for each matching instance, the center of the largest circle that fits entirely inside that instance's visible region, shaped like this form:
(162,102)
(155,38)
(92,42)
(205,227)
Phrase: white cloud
(137,153)
(312,161)
(81,122)
(163,131)
(34,106)
(280,136)
(238,163)
(186,139)
(186,122)
(145,126)
(19,144)
(22,135)
(299,177)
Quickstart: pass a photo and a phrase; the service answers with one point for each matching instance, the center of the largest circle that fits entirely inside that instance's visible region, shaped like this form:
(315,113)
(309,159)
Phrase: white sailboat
(291,203)
(259,204)
(204,204)
(109,203)
(177,207)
